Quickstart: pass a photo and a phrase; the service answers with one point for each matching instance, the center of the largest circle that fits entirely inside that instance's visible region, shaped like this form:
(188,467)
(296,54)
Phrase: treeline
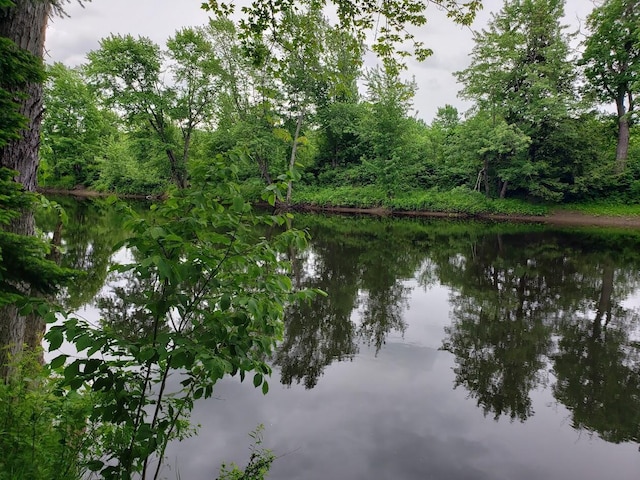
(298,105)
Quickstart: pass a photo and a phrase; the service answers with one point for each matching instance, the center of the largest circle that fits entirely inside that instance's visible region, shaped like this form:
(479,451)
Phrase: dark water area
(444,349)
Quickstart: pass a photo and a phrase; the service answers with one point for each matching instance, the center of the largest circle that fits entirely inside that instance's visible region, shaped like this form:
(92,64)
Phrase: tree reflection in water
(530,306)
(508,307)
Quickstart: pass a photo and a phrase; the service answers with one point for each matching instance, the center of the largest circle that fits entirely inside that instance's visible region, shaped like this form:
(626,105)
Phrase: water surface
(445,349)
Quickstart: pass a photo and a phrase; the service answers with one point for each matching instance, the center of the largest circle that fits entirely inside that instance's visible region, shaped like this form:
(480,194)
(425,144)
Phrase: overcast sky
(69,39)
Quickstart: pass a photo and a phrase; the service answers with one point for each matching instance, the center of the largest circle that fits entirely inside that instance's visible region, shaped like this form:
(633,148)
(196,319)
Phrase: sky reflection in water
(534,328)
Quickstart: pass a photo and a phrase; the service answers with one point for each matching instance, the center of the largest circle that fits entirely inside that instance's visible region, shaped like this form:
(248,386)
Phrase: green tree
(611,61)
(385,129)
(127,74)
(521,71)
(74,132)
(247,117)
(213,304)
(488,151)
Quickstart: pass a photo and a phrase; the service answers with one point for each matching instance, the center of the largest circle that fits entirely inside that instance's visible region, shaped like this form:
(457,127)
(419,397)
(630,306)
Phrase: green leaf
(257,380)
(265,387)
(83,342)
(225,302)
(91,366)
(55,338)
(146,354)
(27,309)
(238,204)
(95,465)
(58,361)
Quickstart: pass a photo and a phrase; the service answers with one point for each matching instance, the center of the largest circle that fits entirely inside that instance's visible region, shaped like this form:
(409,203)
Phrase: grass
(456,201)
(604,208)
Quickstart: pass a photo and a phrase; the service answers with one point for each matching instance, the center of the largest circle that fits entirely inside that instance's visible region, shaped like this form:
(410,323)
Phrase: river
(444,349)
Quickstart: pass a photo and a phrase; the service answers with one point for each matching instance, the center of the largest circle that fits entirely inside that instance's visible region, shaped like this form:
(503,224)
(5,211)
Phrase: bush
(42,433)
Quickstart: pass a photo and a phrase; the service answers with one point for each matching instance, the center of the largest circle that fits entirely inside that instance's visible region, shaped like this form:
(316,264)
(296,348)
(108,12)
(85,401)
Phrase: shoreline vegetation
(594,214)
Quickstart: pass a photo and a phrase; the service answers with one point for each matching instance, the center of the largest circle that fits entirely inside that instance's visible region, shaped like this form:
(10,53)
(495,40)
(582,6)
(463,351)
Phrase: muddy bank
(82,193)
(558,217)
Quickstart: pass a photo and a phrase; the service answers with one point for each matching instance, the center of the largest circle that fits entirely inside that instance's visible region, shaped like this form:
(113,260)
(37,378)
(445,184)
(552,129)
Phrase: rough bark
(17,330)
(177,170)
(503,190)
(26,24)
(486,177)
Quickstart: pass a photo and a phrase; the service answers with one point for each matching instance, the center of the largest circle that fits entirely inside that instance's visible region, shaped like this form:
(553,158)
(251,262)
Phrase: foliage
(214,297)
(389,21)
(460,200)
(23,258)
(613,209)
(75,131)
(611,62)
(521,72)
(259,462)
(127,74)
(42,434)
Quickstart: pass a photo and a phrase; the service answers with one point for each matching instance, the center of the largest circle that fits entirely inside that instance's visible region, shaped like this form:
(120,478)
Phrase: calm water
(445,350)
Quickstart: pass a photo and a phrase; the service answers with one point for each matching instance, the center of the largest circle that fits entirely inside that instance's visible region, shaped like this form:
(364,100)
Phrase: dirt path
(566,217)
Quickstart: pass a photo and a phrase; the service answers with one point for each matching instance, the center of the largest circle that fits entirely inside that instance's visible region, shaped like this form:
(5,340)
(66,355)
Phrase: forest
(300,106)
(277,107)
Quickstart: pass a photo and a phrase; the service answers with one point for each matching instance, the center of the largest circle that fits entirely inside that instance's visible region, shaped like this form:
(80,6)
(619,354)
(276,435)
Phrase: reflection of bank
(512,296)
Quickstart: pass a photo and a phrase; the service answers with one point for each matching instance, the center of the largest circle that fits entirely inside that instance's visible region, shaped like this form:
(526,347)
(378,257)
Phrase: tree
(24,25)
(521,71)
(213,304)
(24,272)
(75,131)
(127,74)
(611,61)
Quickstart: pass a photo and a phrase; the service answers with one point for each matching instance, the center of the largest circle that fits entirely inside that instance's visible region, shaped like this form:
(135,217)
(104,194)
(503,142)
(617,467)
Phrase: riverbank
(558,215)
(555,217)
(83,193)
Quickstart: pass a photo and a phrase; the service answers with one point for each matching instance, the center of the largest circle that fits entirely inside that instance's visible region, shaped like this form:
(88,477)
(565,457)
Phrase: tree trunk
(177,169)
(503,190)
(294,149)
(26,24)
(486,177)
(622,148)
(17,330)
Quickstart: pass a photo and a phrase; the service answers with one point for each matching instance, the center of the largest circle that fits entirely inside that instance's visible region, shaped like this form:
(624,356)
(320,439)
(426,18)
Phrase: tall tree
(611,62)
(521,71)
(127,73)
(25,271)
